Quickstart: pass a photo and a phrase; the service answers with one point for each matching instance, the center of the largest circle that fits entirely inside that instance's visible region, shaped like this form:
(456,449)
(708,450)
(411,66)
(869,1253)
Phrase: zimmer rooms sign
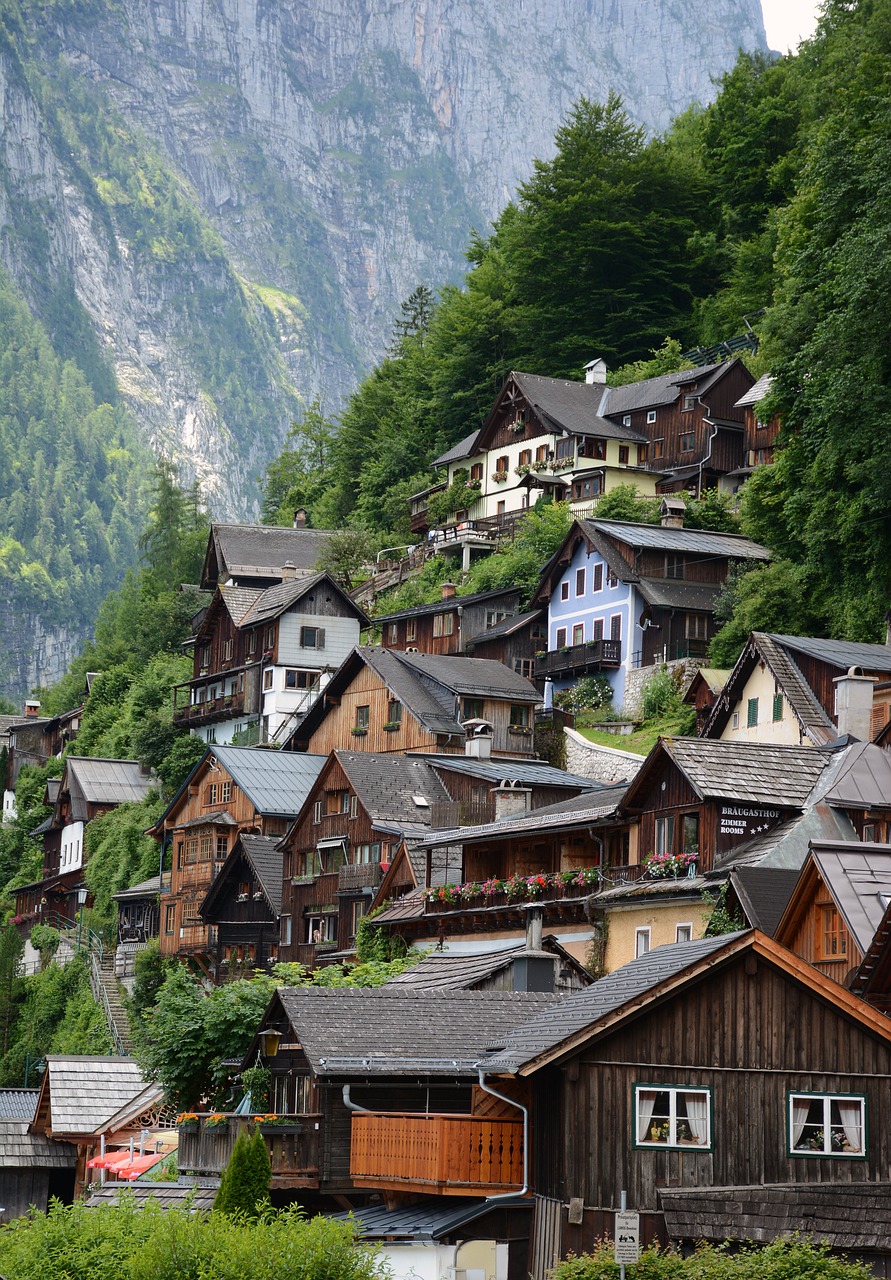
(738,822)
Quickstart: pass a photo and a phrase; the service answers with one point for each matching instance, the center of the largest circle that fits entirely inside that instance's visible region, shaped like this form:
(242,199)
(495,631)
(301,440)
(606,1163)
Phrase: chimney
(478,744)
(509,801)
(595,371)
(535,970)
(671,512)
(449,591)
(288,571)
(300,518)
(32,709)
(853,704)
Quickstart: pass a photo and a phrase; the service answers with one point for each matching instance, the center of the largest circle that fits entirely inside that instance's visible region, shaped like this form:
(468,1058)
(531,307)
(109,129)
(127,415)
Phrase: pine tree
(244,1186)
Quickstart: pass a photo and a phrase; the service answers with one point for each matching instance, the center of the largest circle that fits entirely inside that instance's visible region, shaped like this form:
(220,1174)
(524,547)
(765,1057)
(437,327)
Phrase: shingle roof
(665,593)
(574,406)
(145,889)
(264,855)
(260,551)
(579,811)
(850,1217)
(276,599)
(85,1093)
(480,676)
(463,449)
(701,541)
(583,1009)
(763,773)
(18,1104)
(276,782)
(506,627)
(763,893)
(239,600)
(451,602)
(756,392)
(20,1149)
(94,781)
(435,713)
(169,1195)
(396,1031)
(458,971)
(859,878)
(650,392)
(386,784)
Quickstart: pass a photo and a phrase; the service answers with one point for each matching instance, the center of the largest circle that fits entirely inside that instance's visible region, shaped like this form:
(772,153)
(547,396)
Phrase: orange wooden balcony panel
(448,1154)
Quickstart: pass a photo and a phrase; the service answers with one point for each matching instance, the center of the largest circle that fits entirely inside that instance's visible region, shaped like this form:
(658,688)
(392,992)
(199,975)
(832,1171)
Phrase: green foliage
(257,1081)
(375,945)
(347,556)
(626,502)
(118,853)
(244,1185)
(776,598)
(669,358)
(56,1014)
(45,940)
(718,916)
(21,854)
(299,476)
(457,497)
(179,1244)
(151,968)
(781,1260)
(590,693)
(660,694)
(11,983)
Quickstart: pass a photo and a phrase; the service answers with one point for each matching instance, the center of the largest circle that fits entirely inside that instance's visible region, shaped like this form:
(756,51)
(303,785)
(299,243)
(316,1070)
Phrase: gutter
(502,1097)
(350,1105)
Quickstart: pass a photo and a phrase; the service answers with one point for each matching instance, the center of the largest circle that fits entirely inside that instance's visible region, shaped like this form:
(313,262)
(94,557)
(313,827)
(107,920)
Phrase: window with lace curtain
(823,1124)
(672,1117)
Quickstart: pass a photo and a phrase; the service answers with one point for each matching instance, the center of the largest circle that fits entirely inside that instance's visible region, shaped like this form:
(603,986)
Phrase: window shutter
(320,638)
(354,806)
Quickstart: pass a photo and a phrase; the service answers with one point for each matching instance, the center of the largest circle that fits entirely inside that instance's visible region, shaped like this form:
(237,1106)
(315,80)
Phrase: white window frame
(643,941)
(671,1140)
(827,1152)
(688,925)
(651,416)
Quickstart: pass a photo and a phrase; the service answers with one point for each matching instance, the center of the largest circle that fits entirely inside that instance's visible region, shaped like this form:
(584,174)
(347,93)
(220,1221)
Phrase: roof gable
(857,878)
(85,1095)
(248,552)
(814,723)
(264,857)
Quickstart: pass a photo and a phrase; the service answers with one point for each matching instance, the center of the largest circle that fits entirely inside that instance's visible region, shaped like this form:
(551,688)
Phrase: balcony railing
(293,1150)
(580,658)
(211,710)
(363,875)
(449,1155)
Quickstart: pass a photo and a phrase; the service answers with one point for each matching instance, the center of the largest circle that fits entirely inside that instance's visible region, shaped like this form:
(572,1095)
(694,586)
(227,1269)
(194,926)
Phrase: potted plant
(217,1121)
(499,476)
(187,1121)
(358,731)
(257,1081)
(392,725)
(272,1123)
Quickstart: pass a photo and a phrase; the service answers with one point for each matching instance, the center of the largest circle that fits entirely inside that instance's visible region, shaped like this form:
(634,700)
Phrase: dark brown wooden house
(446,625)
(231,790)
(390,702)
(702,692)
(244,904)
(33,1167)
(761,429)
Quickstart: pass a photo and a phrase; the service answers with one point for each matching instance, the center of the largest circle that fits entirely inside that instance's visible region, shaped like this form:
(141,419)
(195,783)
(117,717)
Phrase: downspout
(502,1097)
(708,456)
(350,1105)
(460,612)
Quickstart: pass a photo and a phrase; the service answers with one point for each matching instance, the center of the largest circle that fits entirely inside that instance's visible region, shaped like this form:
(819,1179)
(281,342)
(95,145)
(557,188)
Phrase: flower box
(499,476)
(393,726)
(358,732)
(216,1124)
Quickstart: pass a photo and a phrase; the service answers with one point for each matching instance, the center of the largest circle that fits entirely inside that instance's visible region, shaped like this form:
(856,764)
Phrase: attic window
(626,420)
(421,801)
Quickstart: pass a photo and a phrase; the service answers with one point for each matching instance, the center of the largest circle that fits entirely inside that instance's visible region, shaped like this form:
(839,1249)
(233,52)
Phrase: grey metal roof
(756,392)
(95,781)
(260,551)
(276,782)
(763,773)
(667,593)
(787,845)
(385,785)
(483,677)
(409,907)
(496,770)
(864,780)
(86,1093)
(451,602)
(650,392)
(585,1008)
(145,889)
(465,448)
(169,1195)
(264,855)
(763,893)
(18,1104)
(700,541)
(402,1031)
(460,971)
(859,878)
(840,653)
(433,1219)
(573,406)
(580,811)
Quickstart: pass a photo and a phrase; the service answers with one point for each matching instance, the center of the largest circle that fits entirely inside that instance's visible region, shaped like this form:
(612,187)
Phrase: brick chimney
(510,801)
(32,709)
(671,512)
(300,518)
(449,591)
(595,371)
(288,571)
(853,704)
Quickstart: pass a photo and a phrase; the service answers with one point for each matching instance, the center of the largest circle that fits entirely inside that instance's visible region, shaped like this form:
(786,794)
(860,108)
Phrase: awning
(132,1169)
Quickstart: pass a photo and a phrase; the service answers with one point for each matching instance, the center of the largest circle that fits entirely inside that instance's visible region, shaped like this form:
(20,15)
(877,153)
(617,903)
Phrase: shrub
(777,1261)
(659,695)
(244,1186)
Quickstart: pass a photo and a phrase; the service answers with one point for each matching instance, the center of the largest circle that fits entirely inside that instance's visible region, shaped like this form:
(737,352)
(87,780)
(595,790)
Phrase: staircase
(107,991)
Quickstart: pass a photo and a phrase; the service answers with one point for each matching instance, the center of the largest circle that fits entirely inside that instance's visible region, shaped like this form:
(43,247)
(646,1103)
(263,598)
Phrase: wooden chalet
(702,693)
(680,1071)
(364,816)
(801,689)
(445,625)
(261,655)
(389,702)
(252,555)
(761,430)
(244,904)
(837,906)
(33,1167)
(621,595)
(231,790)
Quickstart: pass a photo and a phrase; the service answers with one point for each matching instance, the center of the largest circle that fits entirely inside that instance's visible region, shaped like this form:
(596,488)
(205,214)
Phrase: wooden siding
(748,1034)
(443,1154)
(417,632)
(801,929)
(759,439)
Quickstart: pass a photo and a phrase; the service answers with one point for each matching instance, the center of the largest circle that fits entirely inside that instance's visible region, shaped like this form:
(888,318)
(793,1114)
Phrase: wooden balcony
(579,659)
(450,1155)
(210,711)
(361,875)
(293,1151)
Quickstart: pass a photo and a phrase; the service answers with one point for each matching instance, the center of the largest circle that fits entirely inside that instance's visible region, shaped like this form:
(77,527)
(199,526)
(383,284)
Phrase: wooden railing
(579,658)
(445,1154)
(293,1151)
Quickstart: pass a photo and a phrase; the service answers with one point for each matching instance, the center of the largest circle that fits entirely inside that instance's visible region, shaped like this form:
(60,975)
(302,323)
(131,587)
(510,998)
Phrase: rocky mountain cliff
(242,191)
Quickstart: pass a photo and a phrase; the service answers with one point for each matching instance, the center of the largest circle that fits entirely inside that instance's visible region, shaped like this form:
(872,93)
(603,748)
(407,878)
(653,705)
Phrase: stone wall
(601,764)
(635,680)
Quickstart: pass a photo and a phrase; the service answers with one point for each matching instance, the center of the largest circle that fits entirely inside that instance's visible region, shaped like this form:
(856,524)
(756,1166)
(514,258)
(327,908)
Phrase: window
(826,1124)
(641,941)
(295,679)
(222,848)
(683,933)
(363,717)
(626,420)
(831,940)
(597,449)
(674,566)
(210,794)
(270,638)
(411,630)
(321,929)
(615,627)
(394,712)
(472,709)
(642,453)
(519,716)
(358,911)
(476,471)
(597,629)
(367,853)
(686,441)
(502,507)
(227,650)
(443,624)
(525,667)
(564,590)
(689,404)
(541,453)
(565,447)
(268,679)
(651,416)
(672,1117)
(354,807)
(587,487)
(394,633)
(664,834)
(578,633)
(734,720)
(251,644)
(777,707)
(494,616)
(170,918)
(597,578)
(205,848)
(205,656)
(623,454)
(690,832)
(285,931)
(312,638)
(337,802)
(696,626)
(502,463)
(751,713)
(317,812)
(579,582)
(658,448)
(525,459)
(560,637)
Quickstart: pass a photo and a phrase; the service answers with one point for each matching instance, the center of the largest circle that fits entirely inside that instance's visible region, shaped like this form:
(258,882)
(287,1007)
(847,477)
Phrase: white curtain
(850,1113)
(800,1108)
(646,1101)
(697,1116)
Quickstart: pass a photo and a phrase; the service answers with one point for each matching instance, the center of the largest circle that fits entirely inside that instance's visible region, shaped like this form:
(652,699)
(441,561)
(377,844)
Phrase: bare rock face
(336,153)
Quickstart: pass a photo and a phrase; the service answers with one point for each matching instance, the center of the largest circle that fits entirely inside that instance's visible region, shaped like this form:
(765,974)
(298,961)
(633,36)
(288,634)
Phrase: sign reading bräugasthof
(740,821)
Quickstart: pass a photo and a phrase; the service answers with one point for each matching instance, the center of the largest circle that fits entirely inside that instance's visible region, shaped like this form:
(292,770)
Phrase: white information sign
(627,1237)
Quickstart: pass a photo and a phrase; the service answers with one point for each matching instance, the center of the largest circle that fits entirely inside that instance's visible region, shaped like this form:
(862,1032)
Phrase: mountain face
(242,191)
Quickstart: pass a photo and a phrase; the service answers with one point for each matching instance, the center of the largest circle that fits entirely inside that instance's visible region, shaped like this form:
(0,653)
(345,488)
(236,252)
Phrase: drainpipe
(502,1097)
(460,628)
(350,1105)
(708,456)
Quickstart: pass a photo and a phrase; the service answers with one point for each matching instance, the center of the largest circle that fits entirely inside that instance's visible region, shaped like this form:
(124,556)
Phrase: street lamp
(81,899)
